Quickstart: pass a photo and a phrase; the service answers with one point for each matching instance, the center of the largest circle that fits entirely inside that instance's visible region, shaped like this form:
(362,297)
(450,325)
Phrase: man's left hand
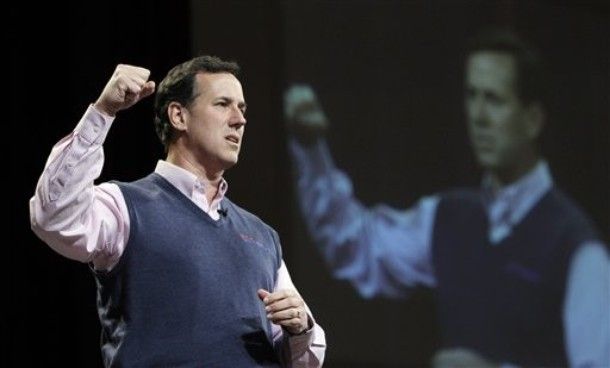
(287,309)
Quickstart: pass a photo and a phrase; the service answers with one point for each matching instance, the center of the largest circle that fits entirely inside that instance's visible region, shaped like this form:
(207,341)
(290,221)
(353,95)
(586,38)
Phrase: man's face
(215,120)
(497,119)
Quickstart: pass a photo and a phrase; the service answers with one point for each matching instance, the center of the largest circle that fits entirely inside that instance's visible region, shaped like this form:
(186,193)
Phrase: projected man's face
(499,124)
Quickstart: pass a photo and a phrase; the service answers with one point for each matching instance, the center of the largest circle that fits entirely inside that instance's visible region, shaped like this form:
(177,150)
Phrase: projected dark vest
(505,300)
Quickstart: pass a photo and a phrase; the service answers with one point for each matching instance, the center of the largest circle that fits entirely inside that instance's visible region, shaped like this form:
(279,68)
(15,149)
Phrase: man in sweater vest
(185,277)
(520,275)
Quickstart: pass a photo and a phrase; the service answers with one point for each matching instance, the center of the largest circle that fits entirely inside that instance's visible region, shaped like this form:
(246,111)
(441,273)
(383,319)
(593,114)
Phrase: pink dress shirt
(90,223)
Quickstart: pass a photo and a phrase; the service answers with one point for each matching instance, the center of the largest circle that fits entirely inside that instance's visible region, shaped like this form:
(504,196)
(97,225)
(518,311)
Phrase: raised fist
(128,85)
(303,113)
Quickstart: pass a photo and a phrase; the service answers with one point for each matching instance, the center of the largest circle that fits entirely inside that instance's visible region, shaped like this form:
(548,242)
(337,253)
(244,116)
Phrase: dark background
(389,75)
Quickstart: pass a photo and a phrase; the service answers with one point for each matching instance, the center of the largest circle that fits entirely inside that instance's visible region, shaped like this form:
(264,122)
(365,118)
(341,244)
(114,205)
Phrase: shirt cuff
(299,344)
(93,126)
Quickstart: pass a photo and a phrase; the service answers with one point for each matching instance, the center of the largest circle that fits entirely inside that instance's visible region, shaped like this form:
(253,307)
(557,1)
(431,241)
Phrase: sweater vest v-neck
(184,293)
(505,300)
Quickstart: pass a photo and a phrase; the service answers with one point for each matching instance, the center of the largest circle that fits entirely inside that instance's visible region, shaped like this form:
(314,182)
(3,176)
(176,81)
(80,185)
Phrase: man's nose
(477,110)
(238,117)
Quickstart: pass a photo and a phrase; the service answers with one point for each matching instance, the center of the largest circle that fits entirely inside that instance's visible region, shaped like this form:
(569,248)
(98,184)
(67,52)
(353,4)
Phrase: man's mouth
(484,141)
(232,139)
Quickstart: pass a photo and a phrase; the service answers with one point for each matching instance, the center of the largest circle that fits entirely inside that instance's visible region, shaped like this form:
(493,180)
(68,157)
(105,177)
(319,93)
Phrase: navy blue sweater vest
(505,300)
(184,293)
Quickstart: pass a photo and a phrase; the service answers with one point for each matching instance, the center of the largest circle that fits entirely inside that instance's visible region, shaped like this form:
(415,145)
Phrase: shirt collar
(521,195)
(185,181)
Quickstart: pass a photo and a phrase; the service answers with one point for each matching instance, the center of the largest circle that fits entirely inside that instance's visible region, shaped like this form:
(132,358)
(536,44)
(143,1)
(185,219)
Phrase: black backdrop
(61,57)
(389,76)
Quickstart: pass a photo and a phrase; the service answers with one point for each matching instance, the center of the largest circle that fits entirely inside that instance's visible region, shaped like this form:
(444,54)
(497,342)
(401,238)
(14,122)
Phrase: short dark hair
(178,86)
(531,80)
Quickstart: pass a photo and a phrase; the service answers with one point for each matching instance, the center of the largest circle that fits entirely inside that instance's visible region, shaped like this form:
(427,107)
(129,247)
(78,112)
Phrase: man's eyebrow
(242,105)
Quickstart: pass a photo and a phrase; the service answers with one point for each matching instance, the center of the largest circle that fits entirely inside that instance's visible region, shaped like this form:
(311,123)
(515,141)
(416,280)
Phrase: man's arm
(300,340)
(382,251)
(586,311)
(77,219)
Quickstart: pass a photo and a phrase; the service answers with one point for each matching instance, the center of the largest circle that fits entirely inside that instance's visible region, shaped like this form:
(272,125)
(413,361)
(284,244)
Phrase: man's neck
(501,178)
(211,179)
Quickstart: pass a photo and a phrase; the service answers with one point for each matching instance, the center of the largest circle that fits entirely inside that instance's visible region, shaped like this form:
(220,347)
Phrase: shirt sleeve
(586,311)
(380,250)
(73,216)
(306,350)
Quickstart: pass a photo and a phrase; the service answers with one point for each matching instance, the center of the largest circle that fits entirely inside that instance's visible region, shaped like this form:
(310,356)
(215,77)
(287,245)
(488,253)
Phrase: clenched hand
(128,85)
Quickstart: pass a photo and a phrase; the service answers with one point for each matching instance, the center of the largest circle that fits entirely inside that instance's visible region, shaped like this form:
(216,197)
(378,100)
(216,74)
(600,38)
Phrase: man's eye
(470,93)
(494,100)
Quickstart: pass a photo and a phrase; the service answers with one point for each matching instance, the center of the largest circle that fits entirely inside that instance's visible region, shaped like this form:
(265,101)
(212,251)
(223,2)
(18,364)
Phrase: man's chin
(229,162)
(487,162)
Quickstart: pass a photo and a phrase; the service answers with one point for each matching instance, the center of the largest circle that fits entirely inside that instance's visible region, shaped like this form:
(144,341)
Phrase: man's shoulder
(563,205)
(150,185)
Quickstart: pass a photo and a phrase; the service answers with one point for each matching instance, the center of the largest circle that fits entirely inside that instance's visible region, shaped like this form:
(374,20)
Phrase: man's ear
(176,114)
(535,117)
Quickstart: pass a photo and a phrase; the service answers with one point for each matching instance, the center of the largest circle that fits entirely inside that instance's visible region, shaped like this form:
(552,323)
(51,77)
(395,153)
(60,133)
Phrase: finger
(294,325)
(133,87)
(132,70)
(136,80)
(283,304)
(262,294)
(279,295)
(143,73)
(298,93)
(286,315)
(132,75)
(148,89)
(309,114)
